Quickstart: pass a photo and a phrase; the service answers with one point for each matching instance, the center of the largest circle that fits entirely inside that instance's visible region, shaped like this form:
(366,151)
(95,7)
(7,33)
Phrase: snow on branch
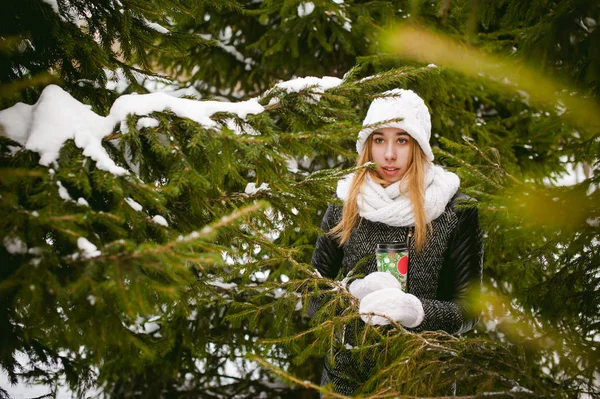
(322,84)
(318,85)
(157,27)
(57,117)
(73,15)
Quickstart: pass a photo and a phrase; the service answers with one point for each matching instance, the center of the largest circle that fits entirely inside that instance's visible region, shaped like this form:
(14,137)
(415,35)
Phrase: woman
(402,198)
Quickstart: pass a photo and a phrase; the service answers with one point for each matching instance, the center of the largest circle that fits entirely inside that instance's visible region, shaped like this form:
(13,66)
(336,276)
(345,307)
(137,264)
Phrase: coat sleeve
(454,311)
(327,257)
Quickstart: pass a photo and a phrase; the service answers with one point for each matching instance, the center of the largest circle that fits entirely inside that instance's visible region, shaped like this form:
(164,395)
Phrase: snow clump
(57,117)
(252,189)
(160,220)
(89,249)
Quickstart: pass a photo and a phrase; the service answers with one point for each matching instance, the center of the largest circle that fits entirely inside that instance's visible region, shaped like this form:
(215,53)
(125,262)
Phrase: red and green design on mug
(392,257)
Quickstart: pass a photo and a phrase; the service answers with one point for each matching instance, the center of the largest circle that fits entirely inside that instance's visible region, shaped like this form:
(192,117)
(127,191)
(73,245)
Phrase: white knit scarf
(388,205)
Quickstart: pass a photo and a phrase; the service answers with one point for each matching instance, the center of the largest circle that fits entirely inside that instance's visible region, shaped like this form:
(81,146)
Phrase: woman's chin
(390,178)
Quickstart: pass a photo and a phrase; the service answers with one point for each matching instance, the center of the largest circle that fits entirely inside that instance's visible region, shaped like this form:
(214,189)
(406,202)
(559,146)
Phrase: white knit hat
(399,103)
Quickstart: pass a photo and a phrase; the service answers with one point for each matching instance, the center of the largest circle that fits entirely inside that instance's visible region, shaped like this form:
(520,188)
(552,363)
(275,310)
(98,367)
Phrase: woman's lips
(390,170)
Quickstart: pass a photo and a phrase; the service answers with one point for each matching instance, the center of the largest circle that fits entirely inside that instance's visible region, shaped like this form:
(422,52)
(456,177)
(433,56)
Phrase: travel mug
(392,257)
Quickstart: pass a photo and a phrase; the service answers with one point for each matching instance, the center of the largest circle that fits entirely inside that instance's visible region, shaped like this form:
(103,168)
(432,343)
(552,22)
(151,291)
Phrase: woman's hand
(394,304)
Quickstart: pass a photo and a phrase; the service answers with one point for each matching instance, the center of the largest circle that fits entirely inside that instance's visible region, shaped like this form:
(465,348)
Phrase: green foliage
(79,41)
(214,304)
(261,43)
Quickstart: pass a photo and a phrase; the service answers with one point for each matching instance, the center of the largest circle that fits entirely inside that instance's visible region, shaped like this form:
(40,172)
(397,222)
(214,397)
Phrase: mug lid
(391,246)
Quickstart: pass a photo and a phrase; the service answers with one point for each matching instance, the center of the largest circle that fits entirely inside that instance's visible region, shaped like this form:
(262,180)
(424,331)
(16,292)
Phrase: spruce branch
(273,107)
(207,231)
(288,377)
(472,169)
(494,164)
(322,326)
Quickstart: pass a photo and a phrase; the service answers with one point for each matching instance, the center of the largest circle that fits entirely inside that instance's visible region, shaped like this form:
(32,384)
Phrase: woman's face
(390,150)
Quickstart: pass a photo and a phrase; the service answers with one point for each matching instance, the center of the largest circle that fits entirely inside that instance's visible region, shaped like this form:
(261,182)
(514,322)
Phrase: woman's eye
(402,141)
(378,140)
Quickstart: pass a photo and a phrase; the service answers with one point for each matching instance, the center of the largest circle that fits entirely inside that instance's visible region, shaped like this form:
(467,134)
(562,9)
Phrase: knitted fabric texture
(373,282)
(399,104)
(381,293)
(388,205)
(378,307)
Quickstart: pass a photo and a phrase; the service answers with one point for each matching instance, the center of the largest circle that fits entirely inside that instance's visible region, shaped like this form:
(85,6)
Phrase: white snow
(144,325)
(146,122)
(252,189)
(519,388)
(261,276)
(53,4)
(123,127)
(198,111)
(594,222)
(151,327)
(319,85)
(72,13)
(192,236)
(322,84)
(18,117)
(58,117)
(226,34)
(292,165)
(218,282)
(160,220)
(62,192)
(89,249)
(136,206)
(117,81)
(14,245)
(157,27)
(305,9)
(241,130)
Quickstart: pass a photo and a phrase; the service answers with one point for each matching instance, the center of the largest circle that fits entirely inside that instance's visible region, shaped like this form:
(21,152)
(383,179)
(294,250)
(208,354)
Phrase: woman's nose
(390,153)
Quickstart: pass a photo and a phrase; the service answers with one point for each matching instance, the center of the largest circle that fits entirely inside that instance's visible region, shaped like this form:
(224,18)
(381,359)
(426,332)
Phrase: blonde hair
(413,181)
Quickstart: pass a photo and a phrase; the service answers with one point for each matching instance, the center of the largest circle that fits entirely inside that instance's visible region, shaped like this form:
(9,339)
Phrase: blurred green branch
(421,44)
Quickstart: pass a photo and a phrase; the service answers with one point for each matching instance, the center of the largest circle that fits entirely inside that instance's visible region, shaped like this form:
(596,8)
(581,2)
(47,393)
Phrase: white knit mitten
(372,282)
(399,306)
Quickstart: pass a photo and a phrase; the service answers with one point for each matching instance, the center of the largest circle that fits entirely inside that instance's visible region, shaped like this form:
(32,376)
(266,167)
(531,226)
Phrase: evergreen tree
(172,258)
